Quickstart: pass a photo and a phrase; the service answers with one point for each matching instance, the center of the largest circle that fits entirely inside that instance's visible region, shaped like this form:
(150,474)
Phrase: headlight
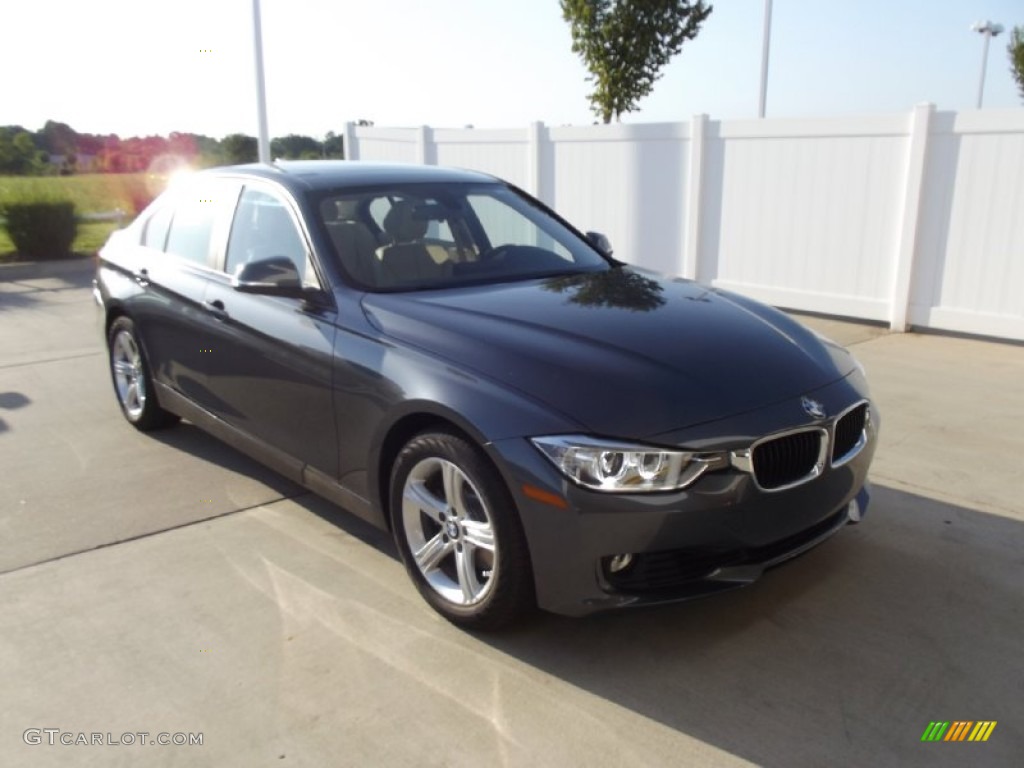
(606,465)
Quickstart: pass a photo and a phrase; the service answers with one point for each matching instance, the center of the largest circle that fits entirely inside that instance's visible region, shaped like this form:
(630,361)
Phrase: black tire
(133,385)
(470,585)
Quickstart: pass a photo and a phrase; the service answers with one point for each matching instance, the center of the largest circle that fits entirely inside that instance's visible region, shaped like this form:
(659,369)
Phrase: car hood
(623,352)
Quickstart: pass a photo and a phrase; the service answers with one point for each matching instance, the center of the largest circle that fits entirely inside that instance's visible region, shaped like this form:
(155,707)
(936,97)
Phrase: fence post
(424,142)
(534,158)
(903,272)
(694,195)
(350,147)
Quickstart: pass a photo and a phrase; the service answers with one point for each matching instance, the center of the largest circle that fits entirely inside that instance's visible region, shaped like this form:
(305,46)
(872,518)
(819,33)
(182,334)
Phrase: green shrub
(42,230)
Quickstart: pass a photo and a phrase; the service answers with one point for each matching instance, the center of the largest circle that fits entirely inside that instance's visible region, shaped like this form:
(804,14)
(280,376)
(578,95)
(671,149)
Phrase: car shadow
(190,439)
(10,401)
(841,657)
(350,524)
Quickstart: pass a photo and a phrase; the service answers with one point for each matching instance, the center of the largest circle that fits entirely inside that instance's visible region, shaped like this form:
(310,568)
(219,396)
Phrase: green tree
(294,146)
(239,148)
(1016,51)
(58,138)
(210,151)
(334,145)
(18,153)
(621,288)
(626,43)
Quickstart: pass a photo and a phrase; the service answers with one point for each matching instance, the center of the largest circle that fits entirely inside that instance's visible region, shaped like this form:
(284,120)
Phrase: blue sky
(153,66)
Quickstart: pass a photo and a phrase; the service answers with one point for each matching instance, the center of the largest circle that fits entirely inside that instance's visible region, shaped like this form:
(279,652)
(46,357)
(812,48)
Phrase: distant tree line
(57,148)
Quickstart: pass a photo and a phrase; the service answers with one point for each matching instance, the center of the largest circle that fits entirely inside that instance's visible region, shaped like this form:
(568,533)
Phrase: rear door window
(192,228)
(155,234)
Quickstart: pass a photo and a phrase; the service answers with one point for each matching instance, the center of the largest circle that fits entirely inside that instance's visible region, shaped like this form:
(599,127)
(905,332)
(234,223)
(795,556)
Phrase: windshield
(417,236)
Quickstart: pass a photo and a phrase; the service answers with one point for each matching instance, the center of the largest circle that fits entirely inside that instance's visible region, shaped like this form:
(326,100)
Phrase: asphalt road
(167,584)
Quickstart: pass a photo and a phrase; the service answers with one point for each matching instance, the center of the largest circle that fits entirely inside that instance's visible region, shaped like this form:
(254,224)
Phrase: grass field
(91,193)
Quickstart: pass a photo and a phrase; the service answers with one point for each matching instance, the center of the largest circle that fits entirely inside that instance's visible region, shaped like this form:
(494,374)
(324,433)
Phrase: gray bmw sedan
(536,422)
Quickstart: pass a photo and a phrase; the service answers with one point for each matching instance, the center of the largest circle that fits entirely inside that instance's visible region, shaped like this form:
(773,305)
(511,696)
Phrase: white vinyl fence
(911,219)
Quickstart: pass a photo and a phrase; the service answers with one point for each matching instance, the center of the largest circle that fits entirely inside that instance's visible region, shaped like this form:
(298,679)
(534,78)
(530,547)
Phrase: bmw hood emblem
(813,408)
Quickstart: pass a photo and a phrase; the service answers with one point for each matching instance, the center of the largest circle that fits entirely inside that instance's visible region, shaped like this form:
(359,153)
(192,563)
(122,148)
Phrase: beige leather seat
(354,242)
(406,260)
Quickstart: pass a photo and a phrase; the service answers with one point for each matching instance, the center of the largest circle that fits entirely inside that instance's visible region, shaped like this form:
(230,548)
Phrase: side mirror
(276,276)
(601,242)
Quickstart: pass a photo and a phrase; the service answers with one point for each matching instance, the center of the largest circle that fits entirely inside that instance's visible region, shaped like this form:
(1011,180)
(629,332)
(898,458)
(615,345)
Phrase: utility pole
(263,137)
(765,44)
(989,30)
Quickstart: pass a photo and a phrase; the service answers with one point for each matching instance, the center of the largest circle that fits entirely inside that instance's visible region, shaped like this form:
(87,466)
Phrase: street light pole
(765,43)
(988,30)
(263,138)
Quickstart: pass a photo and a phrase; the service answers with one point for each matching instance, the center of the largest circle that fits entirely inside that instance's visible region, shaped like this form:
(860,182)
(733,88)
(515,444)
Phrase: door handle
(217,309)
(141,277)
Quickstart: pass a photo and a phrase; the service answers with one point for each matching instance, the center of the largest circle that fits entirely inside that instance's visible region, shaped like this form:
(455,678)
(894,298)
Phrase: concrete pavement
(171,585)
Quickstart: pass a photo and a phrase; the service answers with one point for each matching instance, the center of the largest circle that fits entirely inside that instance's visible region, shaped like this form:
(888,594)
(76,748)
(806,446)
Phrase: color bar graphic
(958,730)
(982,730)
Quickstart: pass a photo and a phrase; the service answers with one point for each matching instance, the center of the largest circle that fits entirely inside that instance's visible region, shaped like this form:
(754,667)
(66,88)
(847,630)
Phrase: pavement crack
(149,534)
(5,366)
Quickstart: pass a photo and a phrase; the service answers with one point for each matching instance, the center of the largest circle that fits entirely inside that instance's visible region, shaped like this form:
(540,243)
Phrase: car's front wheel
(133,384)
(458,532)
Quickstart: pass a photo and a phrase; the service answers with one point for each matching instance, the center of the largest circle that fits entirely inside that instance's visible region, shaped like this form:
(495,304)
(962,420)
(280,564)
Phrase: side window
(263,228)
(379,208)
(192,227)
(155,234)
(439,230)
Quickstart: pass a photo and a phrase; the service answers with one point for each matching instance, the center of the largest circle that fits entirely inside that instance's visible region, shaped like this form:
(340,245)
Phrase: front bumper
(721,533)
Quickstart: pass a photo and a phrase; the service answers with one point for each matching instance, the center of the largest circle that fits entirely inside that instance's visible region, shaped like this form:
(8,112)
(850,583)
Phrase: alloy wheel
(129,380)
(449,531)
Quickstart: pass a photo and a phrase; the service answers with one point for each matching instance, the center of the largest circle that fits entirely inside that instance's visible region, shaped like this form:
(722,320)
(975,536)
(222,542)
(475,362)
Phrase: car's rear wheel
(458,532)
(133,384)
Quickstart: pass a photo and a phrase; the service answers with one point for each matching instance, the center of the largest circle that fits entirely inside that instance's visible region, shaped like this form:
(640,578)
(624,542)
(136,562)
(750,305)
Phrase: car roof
(331,174)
